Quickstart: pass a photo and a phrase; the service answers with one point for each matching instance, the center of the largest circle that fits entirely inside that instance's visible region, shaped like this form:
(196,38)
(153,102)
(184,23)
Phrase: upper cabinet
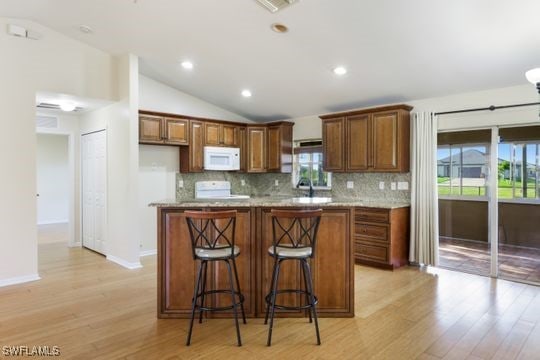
(217,134)
(256,149)
(192,156)
(370,140)
(279,147)
(155,129)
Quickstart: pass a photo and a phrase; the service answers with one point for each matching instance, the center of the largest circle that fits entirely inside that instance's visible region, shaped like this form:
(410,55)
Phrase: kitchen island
(332,267)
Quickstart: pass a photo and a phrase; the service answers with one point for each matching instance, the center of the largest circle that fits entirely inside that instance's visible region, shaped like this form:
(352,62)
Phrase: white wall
(52,179)
(158,165)
(54,63)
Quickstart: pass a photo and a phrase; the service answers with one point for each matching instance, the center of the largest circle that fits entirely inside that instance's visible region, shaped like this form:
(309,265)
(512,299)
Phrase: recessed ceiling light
(246,93)
(85,29)
(340,70)
(279,28)
(188,65)
(67,106)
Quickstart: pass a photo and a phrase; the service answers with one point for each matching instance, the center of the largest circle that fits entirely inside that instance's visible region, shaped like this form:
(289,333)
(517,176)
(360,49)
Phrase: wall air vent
(50,122)
(49,106)
(275,5)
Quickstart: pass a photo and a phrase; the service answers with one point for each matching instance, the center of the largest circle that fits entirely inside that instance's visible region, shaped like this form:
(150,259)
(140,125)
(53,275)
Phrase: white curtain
(424,246)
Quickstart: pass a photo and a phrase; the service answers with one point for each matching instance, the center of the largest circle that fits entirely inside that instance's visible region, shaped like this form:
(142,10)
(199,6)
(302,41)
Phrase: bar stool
(212,239)
(294,238)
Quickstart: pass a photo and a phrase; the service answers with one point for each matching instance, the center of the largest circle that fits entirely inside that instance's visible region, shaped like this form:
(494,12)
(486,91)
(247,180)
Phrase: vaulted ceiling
(393,50)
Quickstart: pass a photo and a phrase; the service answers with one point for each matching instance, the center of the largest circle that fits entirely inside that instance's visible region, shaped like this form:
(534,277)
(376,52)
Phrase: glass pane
(504,187)
(454,170)
(443,170)
(474,170)
(304,158)
(317,157)
(304,172)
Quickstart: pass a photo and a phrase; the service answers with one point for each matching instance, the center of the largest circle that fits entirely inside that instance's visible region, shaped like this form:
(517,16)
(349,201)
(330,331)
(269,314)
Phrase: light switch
(180,183)
(276,182)
(243,182)
(393,185)
(381,185)
(350,184)
(403,185)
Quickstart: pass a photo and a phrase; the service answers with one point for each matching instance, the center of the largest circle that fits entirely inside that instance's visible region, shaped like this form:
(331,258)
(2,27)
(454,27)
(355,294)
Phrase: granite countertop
(281,201)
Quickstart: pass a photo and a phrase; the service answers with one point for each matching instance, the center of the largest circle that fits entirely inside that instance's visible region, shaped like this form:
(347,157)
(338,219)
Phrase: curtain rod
(490,108)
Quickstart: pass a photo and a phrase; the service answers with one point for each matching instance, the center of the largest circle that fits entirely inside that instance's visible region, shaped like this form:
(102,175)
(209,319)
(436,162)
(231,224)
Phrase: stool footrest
(268,299)
(220,308)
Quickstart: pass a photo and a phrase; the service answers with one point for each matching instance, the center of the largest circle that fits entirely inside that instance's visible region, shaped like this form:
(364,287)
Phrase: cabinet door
(176,131)
(385,141)
(150,129)
(229,135)
(242,143)
(245,264)
(358,154)
(332,264)
(212,134)
(333,144)
(196,148)
(256,137)
(274,149)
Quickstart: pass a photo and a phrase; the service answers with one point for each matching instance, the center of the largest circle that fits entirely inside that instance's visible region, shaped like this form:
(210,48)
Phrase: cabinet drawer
(371,252)
(368,231)
(375,215)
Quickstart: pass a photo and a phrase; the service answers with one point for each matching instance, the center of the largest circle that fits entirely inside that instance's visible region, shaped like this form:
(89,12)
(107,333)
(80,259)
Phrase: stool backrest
(295,228)
(211,229)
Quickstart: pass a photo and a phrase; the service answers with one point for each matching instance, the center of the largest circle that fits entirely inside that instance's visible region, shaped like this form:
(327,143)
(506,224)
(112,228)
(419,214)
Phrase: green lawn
(504,188)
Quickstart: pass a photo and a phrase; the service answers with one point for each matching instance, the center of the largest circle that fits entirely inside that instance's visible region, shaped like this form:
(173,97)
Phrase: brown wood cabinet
(219,134)
(163,130)
(279,148)
(242,143)
(256,149)
(177,268)
(332,267)
(381,237)
(192,156)
(375,140)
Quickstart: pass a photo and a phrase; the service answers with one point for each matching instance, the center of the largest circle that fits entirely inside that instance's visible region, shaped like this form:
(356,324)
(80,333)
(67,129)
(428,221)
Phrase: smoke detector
(275,5)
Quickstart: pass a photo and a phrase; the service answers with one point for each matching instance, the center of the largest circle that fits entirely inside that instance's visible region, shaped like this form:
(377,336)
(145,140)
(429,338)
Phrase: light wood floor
(94,309)
(53,233)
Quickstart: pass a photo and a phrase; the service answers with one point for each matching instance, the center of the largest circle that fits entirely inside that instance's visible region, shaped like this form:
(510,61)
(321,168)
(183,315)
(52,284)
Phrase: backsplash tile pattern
(366,185)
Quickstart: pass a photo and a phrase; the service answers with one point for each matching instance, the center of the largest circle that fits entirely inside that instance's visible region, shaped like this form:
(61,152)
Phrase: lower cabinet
(381,237)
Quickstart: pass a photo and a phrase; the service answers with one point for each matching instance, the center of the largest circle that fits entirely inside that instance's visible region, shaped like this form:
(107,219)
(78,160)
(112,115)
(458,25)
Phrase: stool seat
(216,253)
(291,252)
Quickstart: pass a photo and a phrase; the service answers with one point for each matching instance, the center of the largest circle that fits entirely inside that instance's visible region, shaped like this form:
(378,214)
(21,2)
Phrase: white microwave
(221,158)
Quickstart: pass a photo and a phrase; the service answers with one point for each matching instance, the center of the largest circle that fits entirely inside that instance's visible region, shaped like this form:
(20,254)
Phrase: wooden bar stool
(212,239)
(294,238)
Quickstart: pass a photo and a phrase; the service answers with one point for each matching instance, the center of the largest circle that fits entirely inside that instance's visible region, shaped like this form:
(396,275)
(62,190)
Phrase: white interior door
(94,190)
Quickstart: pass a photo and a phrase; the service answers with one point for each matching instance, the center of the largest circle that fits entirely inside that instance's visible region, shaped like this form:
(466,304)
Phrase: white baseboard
(124,263)
(148,252)
(53,222)
(19,280)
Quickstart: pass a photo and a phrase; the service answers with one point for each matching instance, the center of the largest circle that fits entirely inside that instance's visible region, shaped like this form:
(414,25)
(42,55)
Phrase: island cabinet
(368,140)
(381,237)
(177,269)
(332,266)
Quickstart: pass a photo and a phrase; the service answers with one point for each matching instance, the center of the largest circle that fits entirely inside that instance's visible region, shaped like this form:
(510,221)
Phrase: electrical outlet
(393,185)
(243,182)
(381,185)
(350,184)
(276,182)
(403,185)
(180,183)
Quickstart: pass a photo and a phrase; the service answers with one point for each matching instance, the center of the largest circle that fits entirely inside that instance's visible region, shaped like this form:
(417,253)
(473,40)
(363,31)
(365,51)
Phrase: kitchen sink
(313,200)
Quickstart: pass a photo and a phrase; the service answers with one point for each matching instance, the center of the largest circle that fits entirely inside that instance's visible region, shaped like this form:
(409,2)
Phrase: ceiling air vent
(49,106)
(50,122)
(275,5)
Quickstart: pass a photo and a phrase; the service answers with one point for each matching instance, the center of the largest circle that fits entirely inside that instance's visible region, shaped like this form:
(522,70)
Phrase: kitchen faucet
(302,183)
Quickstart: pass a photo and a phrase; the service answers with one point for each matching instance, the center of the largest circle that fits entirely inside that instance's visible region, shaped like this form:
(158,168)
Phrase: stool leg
(273,302)
(308,301)
(233,297)
(270,290)
(203,295)
(313,305)
(194,303)
(239,291)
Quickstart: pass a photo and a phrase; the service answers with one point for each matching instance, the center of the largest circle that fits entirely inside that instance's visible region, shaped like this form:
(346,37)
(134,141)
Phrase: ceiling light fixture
(68,106)
(188,65)
(340,70)
(534,77)
(279,28)
(246,93)
(85,29)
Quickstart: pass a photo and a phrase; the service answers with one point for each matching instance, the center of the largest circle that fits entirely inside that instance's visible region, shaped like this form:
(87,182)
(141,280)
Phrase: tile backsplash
(365,185)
